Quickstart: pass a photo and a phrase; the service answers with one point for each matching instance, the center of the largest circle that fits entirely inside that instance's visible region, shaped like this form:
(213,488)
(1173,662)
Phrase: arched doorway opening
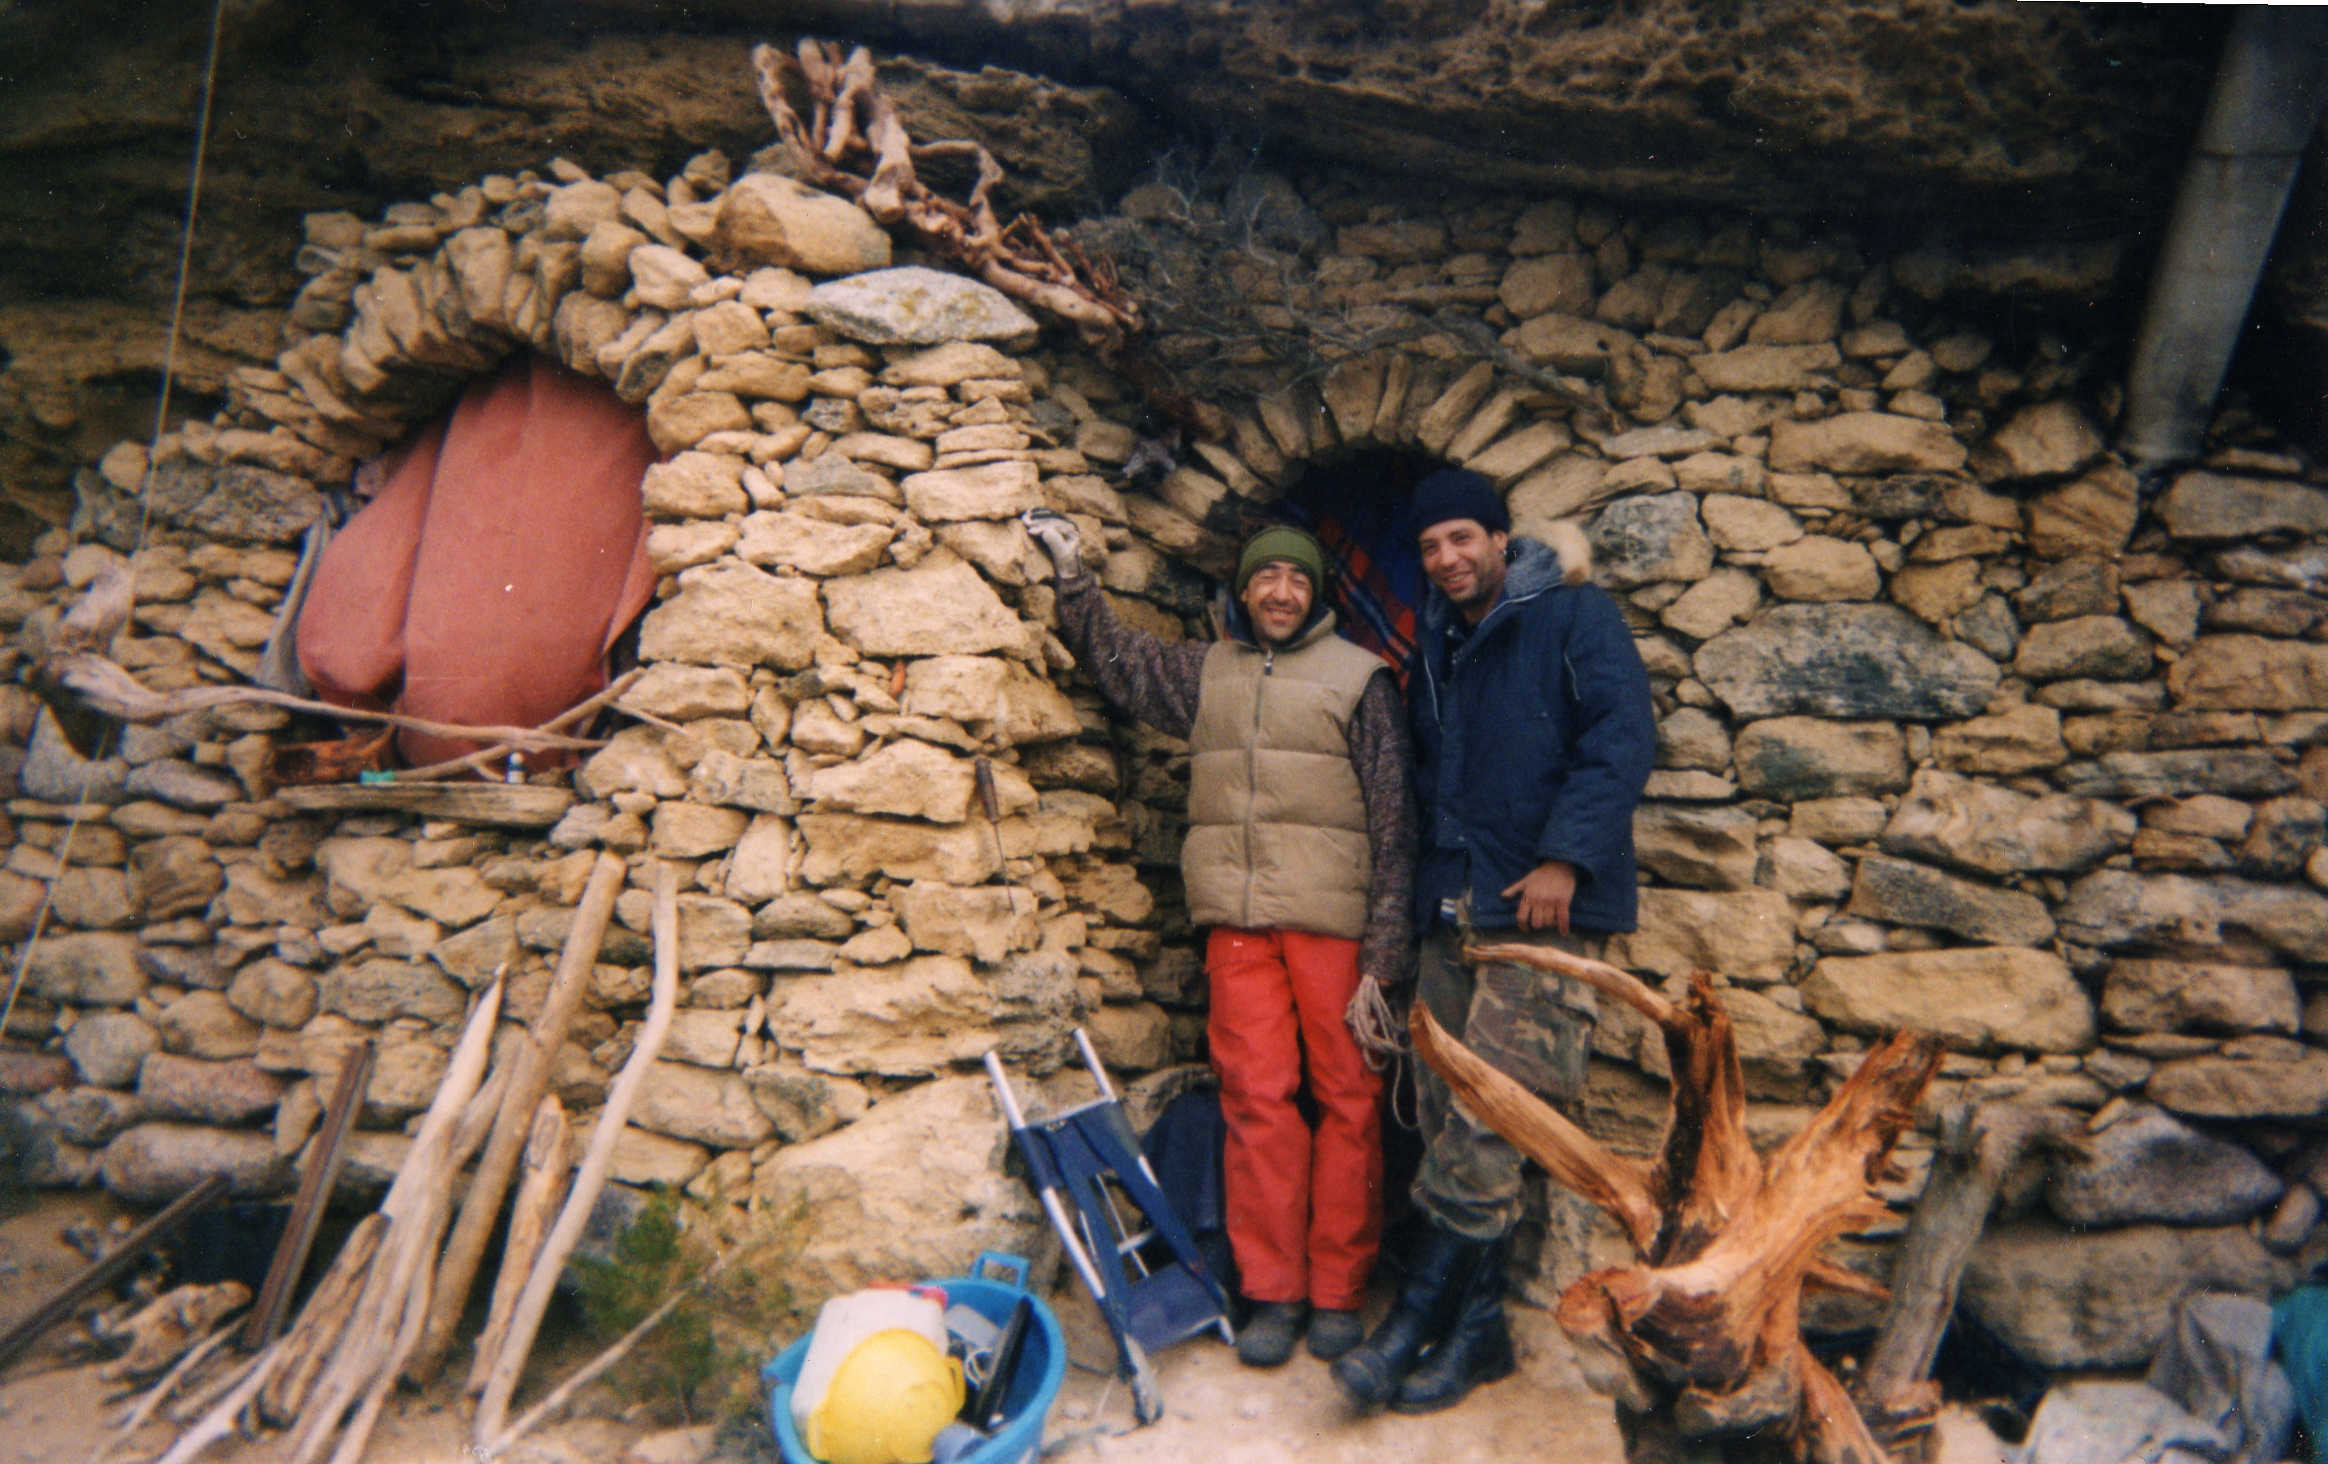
(1358,506)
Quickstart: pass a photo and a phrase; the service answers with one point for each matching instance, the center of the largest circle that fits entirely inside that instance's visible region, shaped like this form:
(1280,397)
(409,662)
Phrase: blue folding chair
(1136,1258)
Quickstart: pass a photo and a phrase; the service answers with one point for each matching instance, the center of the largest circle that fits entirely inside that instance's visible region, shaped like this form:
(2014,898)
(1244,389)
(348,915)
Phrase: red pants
(1305,1210)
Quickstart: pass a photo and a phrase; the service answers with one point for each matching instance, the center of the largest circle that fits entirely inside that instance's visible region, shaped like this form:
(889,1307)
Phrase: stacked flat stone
(1956,732)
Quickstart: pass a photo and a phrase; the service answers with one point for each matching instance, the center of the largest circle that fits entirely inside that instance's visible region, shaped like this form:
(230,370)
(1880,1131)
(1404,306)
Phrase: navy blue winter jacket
(1534,734)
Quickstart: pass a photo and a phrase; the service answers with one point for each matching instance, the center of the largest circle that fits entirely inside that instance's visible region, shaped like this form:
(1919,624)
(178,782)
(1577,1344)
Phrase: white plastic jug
(845,1321)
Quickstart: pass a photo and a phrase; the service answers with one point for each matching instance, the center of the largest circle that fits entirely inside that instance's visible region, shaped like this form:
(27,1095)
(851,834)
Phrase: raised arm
(1142,675)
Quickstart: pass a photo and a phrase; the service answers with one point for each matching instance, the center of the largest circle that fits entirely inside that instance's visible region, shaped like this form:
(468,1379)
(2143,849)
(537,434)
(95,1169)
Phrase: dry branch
(415,1208)
(159,1394)
(1701,1338)
(852,142)
(90,694)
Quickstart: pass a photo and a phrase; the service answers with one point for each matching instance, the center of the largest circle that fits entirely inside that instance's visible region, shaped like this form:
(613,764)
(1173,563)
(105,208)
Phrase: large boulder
(2103,1299)
(2049,439)
(2149,1168)
(229,1094)
(2250,673)
(1902,892)
(1792,758)
(684,1101)
(768,220)
(1747,935)
(917,306)
(2143,995)
(86,969)
(2257,1077)
(729,614)
(916,1187)
(912,1017)
(2117,907)
(937,608)
(1987,829)
(2209,505)
(154,1163)
(1845,660)
(1864,442)
(232,501)
(1975,998)
(1641,541)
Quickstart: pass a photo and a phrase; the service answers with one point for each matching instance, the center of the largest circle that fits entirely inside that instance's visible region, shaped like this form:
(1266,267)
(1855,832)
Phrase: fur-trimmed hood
(1532,566)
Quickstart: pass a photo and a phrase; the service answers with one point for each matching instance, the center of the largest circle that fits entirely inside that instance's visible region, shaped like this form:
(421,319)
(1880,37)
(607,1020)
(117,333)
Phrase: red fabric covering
(502,556)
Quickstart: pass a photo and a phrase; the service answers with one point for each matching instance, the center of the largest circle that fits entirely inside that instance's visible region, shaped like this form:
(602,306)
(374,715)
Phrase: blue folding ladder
(1095,1184)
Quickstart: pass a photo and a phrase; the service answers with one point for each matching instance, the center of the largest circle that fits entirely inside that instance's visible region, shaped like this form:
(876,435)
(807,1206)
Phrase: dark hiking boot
(1333,1331)
(1268,1336)
(1427,1302)
(1478,1349)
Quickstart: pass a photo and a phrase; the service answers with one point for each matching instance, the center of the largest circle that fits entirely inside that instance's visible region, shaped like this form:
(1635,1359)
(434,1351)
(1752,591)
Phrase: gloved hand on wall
(1058,536)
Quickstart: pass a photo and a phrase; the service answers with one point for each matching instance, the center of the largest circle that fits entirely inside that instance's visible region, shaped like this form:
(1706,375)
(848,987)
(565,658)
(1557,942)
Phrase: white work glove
(1059,537)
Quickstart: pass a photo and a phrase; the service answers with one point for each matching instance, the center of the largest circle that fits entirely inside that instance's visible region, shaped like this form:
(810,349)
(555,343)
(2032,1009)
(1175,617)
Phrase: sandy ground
(54,1409)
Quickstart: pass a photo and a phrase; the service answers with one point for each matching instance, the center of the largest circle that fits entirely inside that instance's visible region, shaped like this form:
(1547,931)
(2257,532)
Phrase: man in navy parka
(1533,736)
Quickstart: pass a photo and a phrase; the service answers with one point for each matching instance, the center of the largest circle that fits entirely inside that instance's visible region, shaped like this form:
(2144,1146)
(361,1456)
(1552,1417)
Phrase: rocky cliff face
(2025,122)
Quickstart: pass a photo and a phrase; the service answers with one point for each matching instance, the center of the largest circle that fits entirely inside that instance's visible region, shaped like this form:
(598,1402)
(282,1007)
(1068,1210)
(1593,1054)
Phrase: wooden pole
(425,1176)
(103,1271)
(466,1246)
(549,1160)
(501,1383)
(1980,1145)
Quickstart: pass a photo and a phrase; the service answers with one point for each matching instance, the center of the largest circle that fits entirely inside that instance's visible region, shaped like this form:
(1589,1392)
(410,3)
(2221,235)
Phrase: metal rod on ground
(323,1169)
(457,1272)
(501,1384)
(106,1268)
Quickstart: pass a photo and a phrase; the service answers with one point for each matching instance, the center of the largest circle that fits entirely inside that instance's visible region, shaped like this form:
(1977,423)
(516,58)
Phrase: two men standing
(1533,734)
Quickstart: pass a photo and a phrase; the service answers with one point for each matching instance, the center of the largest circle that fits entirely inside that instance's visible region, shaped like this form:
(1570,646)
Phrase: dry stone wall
(1957,731)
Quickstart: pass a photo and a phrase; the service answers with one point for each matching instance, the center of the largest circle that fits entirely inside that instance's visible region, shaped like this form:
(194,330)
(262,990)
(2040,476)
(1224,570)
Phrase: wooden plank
(521,805)
(323,1169)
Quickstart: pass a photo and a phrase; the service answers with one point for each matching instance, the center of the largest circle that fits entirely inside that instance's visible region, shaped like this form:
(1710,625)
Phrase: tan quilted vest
(1277,823)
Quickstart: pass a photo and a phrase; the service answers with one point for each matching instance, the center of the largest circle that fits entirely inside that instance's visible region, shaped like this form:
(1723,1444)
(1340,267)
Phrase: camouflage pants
(1533,1026)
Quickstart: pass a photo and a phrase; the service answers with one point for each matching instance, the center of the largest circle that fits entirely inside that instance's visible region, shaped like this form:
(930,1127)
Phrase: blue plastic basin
(1042,1367)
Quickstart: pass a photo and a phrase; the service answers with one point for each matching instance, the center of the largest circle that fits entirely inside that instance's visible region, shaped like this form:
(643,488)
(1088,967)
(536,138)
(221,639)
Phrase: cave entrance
(1359,506)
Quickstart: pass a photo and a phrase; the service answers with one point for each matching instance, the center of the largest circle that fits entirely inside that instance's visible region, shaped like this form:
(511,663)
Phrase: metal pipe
(2267,99)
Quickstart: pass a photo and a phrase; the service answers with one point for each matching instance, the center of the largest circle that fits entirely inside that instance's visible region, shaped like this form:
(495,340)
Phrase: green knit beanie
(1282,545)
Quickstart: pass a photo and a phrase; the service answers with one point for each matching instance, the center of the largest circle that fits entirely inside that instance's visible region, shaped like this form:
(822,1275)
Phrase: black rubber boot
(1478,1349)
(1428,1299)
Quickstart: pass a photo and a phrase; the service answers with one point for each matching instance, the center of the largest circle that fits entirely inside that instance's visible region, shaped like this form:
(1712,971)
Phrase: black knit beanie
(1458,493)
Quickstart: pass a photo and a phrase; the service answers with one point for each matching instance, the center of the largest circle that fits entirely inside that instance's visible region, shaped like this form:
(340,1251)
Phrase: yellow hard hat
(888,1399)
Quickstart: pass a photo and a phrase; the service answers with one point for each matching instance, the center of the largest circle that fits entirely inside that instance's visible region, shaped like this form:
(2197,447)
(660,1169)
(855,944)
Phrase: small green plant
(726,1265)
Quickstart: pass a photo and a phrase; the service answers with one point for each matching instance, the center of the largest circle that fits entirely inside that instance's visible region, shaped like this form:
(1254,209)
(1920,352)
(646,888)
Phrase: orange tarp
(501,557)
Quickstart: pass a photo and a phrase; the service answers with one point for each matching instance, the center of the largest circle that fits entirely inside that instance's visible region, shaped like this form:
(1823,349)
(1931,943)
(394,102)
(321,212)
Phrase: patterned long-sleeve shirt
(1157,681)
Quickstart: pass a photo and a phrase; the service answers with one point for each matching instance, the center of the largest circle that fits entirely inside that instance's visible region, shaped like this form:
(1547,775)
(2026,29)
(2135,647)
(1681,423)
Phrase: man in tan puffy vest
(1299,856)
